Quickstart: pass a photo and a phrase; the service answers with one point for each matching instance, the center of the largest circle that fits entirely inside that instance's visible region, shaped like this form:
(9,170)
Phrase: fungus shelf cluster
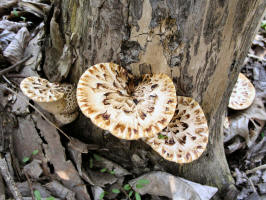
(146,108)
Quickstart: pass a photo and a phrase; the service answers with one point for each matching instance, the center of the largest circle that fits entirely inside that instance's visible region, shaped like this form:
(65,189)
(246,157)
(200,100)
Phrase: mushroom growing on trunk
(186,136)
(58,99)
(243,94)
(129,108)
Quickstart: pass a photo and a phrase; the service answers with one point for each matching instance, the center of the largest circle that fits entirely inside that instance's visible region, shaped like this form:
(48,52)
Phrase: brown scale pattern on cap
(41,90)
(129,109)
(58,99)
(243,94)
(186,136)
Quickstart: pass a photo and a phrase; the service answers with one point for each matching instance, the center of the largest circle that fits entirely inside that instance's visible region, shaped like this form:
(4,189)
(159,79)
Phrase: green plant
(26,159)
(161,136)
(37,195)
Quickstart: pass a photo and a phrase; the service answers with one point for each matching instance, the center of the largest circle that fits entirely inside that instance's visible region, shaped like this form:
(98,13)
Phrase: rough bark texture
(200,44)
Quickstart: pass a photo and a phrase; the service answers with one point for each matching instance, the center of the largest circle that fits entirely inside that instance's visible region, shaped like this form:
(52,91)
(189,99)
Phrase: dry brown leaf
(11,26)
(15,50)
(38,9)
(165,184)
(247,123)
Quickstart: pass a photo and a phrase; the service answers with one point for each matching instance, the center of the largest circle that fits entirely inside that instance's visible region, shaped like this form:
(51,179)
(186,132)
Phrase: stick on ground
(9,180)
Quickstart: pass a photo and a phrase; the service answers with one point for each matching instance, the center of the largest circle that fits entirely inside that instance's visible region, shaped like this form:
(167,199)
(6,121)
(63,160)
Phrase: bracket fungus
(186,136)
(128,108)
(243,94)
(58,99)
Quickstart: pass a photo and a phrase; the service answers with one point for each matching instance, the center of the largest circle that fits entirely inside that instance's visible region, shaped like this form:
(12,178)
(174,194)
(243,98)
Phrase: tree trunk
(200,44)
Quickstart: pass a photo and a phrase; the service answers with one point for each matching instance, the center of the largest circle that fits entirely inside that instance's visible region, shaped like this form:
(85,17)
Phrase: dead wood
(9,180)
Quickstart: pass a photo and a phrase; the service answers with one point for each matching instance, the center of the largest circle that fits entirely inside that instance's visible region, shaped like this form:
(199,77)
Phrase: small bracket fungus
(57,99)
(129,109)
(186,136)
(243,94)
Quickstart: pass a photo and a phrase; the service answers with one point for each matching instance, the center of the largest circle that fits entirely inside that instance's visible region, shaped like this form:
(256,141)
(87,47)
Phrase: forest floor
(36,162)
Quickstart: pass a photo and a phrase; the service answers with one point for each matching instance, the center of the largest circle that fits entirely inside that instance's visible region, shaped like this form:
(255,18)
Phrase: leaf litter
(244,131)
(66,170)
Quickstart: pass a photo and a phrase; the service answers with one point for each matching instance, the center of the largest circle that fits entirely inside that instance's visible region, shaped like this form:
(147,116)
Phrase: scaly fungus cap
(53,97)
(106,93)
(186,136)
(243,94)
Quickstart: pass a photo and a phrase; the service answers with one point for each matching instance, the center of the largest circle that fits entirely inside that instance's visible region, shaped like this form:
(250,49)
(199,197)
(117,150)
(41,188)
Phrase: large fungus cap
(186,136)
(243,94)
(106,93)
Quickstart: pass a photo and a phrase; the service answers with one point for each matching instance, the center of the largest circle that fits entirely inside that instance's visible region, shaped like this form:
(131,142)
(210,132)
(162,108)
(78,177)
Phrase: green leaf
(116,191)
(139,186)
(262,134)
(50,198)
(127,187)
(35,152)
(102,195)
(97,157)
(37,195)
(15,13)
(137,196)
(112,172)
(25,159)
(130,193)
(103,170)
(91,163)
(143,181)
(161,136)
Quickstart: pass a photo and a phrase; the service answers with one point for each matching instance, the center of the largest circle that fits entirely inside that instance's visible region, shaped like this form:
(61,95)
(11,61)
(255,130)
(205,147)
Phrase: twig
(15,65)
(122,189)
(252,185)
(256,57)
(15,76)
(9,180)
(37,110)
(255,169)
(30,185)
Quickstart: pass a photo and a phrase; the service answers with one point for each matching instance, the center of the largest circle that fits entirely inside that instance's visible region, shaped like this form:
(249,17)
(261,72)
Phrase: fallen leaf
(165,184)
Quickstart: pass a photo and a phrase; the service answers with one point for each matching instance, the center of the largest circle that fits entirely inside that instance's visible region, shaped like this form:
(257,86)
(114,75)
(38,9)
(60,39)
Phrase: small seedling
(161,136)
(115,191)
(15,12)
(137,196)
(127,187)
(37,195)
(130,193)
(35,152)
(25,159)
(103,170)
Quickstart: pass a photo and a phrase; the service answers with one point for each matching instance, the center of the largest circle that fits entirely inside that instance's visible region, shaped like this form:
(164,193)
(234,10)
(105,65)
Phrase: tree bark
(200,44)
